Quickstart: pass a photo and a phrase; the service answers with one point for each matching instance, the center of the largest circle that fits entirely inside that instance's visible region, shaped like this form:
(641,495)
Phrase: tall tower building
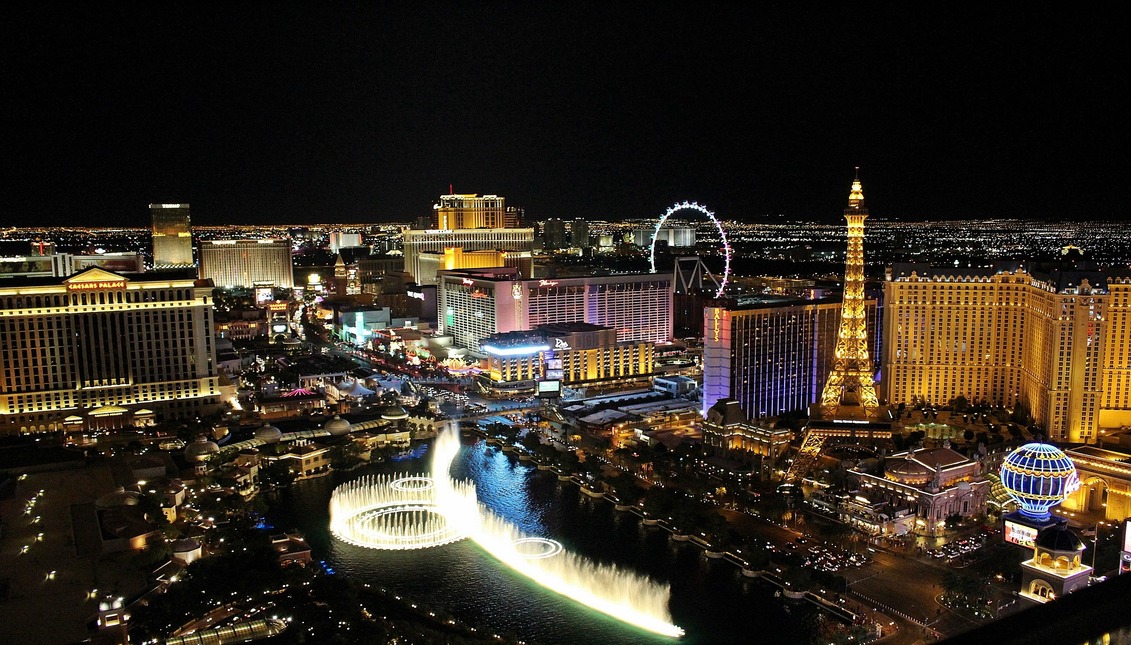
(579,233)
(850,382)
(172,236)
(553,234)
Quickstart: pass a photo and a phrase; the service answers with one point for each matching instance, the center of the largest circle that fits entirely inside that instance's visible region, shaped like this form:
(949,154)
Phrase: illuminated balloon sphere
(1038,476)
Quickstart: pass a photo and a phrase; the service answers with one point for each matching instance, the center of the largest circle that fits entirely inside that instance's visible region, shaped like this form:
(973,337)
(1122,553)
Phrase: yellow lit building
(578,354)
(98,347)
(430,263)
(457,212)
(1057,343)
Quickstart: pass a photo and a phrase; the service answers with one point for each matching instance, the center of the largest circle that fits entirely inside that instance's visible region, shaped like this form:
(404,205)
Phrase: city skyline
(268,115)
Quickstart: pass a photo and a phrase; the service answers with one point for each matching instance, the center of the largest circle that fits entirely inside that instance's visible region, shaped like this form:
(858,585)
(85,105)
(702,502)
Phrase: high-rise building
(457,212)
(417,242)
(1057,342)
(95,349)
(553,234)
(172,236)
(340,240)
(850,383)
(772,357)
(579,233)
(474,304)
(247,263)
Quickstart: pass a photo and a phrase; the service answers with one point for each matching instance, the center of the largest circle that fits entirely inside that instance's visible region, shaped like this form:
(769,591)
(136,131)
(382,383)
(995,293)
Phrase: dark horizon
(260,114)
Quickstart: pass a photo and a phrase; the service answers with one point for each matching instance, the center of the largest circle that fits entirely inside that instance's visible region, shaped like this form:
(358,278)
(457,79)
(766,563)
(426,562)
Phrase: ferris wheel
(718,226)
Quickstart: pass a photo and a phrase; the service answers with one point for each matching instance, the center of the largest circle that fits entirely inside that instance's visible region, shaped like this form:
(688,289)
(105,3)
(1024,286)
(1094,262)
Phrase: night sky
(353,112)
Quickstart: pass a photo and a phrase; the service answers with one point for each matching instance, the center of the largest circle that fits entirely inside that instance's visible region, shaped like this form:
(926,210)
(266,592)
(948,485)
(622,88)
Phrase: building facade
(418,242)
(930,485)
(1056,343)
(576,353)
(475,304)
(771,357)
(172,236)
(102,345)
(728,433)
(247,263)
(458,212)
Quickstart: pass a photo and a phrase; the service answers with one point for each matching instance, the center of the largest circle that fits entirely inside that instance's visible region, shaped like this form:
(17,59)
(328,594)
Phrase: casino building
(771,357)
(474,304)
(98,350)
(1057,342)
(578,354)
(247,263)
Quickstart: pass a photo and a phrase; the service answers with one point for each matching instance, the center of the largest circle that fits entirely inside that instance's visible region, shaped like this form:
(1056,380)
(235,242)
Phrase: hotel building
(95,348)
(466,222)
(247,263)
(578,354)
(1056,342)
(453,258)
(435,241)
(474,304)
(771,357)
(457,212)
(172,236)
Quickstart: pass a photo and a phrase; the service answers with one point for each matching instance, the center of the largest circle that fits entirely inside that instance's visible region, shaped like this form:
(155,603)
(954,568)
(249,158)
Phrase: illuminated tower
(850,381)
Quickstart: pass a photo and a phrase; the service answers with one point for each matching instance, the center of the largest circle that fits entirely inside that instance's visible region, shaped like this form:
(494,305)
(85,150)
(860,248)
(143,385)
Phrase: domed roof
(1059,538)
(907,471)
(119,497)
(393,413)
(1038,476)
(201,449)
(269,434)
(337,427)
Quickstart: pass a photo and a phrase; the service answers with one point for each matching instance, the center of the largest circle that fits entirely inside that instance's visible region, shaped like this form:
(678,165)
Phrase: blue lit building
(771,356)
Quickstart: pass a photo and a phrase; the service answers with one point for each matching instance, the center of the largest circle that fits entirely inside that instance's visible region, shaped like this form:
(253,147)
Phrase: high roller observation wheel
(695,206)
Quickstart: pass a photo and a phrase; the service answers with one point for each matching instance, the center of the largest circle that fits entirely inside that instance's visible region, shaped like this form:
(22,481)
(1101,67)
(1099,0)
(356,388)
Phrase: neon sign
(468,282)
(547,283)
(101,284)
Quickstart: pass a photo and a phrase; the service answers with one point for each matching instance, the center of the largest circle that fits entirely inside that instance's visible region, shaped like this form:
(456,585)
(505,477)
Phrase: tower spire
(856,193)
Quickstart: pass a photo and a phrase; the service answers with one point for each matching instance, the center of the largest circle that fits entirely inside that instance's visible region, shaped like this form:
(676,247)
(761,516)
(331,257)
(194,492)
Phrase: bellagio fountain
(412,512)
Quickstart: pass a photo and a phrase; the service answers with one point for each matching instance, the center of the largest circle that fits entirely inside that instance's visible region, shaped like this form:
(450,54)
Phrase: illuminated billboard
(1127,536)
(1020,534)
(549,389)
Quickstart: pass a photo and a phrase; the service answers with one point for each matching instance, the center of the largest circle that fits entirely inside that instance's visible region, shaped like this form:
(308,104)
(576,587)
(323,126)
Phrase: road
(895,583)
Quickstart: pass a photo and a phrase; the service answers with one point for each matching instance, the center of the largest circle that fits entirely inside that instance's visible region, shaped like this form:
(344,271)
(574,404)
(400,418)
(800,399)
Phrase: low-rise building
(934,484)
(729,434)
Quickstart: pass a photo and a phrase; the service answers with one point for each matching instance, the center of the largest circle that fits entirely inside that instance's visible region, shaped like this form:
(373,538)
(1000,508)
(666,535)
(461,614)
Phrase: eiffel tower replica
(850,391)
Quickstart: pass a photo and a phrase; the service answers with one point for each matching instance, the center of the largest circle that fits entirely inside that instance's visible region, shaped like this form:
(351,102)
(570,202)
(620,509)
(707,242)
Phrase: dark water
(710,598)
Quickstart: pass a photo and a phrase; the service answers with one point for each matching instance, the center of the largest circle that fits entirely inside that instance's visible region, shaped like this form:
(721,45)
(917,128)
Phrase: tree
(276,473)
(1021,414)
